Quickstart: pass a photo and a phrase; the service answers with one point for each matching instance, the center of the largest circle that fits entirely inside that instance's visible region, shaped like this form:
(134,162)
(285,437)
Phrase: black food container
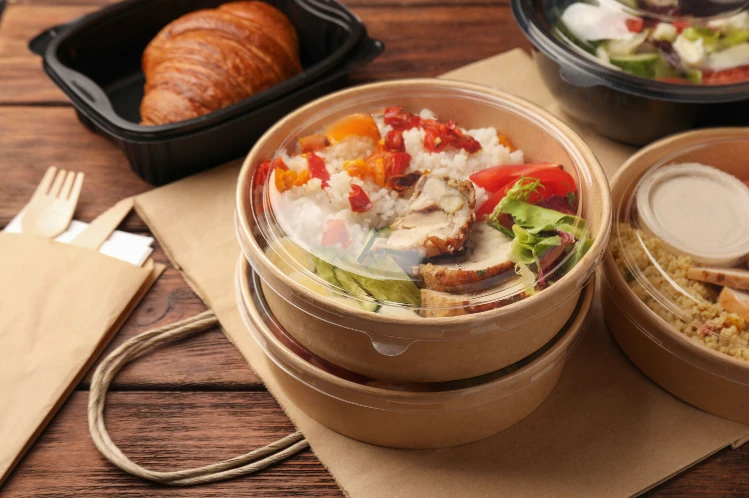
(96,61)
(619,105)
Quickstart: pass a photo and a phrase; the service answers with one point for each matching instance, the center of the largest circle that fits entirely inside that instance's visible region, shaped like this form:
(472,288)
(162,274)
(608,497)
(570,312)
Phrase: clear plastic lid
(686,42)
(350,387)
(681,243)
(405,212)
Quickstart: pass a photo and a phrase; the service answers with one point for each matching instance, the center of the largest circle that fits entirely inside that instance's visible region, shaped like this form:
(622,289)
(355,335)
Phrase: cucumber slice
(623,47)
(638,64)
(351,286)
(694,76)
(326,271)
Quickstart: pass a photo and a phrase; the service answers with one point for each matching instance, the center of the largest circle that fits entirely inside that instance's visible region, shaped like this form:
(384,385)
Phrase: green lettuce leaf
(537,219)
(528,248)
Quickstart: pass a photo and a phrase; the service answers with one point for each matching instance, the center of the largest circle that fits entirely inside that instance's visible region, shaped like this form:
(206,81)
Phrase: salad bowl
(409,347)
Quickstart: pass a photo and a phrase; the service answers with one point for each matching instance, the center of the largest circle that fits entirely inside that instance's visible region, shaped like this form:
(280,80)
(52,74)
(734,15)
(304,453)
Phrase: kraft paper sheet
(59,307)
(606,430)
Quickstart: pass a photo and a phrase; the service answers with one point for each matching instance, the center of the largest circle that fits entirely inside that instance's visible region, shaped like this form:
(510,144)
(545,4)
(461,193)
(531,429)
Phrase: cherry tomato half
(493,179)
(554,182)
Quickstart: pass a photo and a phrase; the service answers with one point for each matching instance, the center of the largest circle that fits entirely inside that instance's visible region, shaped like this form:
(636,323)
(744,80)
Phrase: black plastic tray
(96,61)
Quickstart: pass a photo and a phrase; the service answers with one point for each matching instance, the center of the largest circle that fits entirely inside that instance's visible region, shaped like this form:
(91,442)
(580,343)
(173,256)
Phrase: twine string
(138,346)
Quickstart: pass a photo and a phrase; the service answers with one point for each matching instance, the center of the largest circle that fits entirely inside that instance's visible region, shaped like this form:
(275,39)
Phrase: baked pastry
(212,58)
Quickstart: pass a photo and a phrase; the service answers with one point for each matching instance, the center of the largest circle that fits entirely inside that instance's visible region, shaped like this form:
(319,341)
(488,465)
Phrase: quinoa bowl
(448,314)
(677,309)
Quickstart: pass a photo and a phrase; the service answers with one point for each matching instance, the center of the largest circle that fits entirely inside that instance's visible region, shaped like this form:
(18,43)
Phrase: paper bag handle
(140,345)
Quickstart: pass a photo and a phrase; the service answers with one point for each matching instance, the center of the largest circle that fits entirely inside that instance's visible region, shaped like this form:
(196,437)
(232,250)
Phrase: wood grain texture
(196,401)
(176,430)
(166,431)
(34,138)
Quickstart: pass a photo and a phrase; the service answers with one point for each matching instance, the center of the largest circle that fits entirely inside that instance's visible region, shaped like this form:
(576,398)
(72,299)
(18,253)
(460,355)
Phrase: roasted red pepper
(399,120)
(394,141)
(335,233)
(261,173)
(439,135)
(264,170)
(359,200)
(399,163)
(317,168)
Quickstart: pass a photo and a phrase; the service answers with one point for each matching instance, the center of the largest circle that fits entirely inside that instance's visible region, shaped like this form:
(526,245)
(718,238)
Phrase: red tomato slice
(556,182)
(493,179)
(726,77)
(489,205)
(681,25)
(634,25)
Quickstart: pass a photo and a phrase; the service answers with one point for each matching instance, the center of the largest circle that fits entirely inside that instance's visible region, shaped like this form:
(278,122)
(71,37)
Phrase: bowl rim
(538,368)
(610,270)
(575,145)
(538,33)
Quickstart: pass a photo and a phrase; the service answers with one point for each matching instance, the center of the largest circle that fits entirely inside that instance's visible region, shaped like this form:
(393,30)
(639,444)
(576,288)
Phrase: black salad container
(616,104)
(96,61)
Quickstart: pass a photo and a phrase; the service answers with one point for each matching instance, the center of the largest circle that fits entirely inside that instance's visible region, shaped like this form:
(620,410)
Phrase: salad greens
(537,230)
(671,45)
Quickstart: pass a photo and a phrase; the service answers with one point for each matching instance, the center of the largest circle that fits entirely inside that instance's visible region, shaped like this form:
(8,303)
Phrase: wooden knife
(102,227)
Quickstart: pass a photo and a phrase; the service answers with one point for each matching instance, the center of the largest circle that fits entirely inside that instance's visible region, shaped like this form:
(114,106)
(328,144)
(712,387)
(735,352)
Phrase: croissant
(212,58)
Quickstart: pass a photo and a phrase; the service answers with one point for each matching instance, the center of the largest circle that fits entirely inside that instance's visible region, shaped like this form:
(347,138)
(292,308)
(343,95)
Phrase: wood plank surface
(197,401)
(166,431)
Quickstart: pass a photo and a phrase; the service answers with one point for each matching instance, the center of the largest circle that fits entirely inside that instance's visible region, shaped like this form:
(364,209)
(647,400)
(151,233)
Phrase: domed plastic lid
(682,247)
(695,42)
(403,212)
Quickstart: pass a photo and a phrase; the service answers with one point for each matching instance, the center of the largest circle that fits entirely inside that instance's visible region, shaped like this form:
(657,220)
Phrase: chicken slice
(737,278)
(442,304)
(438,218)
(484,264)
(735,301)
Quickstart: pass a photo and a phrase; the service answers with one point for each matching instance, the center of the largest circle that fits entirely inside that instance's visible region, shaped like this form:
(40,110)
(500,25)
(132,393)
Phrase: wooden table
(197,401)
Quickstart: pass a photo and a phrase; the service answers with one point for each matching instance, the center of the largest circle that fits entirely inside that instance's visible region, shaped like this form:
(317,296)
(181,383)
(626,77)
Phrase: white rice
(303,211)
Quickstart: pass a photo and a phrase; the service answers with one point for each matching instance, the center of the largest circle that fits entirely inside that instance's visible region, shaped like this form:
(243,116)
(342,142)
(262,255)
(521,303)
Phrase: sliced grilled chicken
(735,278)
(442,304)
(735,301)
(484,264)
(438,218)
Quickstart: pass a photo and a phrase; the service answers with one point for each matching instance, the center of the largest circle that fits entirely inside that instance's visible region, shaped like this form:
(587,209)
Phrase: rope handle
(138,346)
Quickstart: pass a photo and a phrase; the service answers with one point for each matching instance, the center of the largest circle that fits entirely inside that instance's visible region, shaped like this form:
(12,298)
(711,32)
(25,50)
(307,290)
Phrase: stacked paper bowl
(417,382)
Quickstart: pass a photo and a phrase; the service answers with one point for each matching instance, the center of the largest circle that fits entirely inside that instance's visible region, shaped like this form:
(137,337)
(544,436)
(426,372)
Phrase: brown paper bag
(59,307)
(606,430)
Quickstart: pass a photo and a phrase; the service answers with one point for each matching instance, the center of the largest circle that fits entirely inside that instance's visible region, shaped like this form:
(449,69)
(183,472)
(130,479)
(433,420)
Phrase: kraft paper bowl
(430,349)
(409,415)
(697,374)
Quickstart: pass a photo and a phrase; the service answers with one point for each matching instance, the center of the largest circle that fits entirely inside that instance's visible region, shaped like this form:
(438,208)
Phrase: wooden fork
(51,207)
